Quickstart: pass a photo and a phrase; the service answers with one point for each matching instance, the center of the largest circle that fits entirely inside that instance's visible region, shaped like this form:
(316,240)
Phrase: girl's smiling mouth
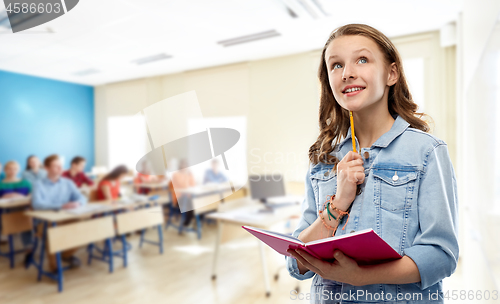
(352,90)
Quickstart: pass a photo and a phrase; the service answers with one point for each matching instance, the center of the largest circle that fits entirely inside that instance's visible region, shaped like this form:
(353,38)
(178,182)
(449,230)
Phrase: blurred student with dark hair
(76,174)
(34,170)
(54,193)
(109,186)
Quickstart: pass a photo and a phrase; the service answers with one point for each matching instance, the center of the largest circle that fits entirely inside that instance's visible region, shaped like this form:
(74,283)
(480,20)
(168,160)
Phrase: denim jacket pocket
(324,184)
(394,186)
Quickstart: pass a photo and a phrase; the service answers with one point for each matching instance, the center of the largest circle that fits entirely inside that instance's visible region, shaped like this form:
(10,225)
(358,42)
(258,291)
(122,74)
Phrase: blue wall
(42,116)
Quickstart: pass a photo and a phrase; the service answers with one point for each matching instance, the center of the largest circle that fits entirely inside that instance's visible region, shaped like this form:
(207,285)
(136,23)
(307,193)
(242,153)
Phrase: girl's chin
(354,107)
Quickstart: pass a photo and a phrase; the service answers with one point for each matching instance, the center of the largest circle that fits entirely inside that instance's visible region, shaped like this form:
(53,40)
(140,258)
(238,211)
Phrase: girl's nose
(348,73)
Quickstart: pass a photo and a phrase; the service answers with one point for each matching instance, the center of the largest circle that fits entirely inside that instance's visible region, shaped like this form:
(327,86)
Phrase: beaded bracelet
(329,213)
(342,213)
(325,224)
(328,202)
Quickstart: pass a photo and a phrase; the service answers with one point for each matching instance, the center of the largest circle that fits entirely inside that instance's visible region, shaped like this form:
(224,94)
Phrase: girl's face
(357,61)
(34,163)
(11,170)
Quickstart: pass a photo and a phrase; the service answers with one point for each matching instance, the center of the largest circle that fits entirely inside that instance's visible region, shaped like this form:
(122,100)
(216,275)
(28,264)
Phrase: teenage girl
(109,186)
(401,182)
(34,170)
(12,186)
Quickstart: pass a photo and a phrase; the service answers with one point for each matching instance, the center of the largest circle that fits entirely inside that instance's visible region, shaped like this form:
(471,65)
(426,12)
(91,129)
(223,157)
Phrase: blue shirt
(52,195)
(416,213)
(33,177)
(211,177)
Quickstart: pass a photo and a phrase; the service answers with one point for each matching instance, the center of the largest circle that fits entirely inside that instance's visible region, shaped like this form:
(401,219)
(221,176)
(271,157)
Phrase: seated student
(54,192)
(11,187)
(109,186)
(213,175)
(76,174)
(34,170)
(145,177)
(180,180)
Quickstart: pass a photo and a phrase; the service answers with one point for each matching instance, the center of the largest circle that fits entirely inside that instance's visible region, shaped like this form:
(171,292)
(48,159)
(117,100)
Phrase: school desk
(245,211)
(13,221)
(91,226)
(205,198)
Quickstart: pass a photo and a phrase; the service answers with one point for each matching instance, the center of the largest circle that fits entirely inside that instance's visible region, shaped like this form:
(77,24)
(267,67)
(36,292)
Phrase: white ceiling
(107,35)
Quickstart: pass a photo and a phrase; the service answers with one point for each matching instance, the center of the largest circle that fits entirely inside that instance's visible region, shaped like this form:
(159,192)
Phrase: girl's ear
(393,74)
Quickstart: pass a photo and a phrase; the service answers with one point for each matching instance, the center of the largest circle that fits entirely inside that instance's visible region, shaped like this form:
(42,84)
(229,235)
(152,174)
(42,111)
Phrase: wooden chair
(74,235)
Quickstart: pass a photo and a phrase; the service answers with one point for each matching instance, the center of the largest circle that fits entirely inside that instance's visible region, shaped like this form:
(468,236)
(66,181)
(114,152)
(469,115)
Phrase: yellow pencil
(352,132)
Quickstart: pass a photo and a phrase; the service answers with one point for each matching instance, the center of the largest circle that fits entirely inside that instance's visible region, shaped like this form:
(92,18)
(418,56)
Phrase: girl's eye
(335,65)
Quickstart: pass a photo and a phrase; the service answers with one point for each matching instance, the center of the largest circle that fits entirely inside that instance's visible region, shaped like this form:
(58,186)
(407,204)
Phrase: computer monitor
(265,186)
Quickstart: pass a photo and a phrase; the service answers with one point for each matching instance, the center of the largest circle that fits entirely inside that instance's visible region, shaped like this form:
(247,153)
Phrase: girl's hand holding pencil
(350,174)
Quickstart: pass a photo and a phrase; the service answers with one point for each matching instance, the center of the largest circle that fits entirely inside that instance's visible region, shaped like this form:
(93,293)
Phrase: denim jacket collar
(398,127)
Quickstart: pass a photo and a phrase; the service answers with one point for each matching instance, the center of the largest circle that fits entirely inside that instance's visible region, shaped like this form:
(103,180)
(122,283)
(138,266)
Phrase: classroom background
(71,92)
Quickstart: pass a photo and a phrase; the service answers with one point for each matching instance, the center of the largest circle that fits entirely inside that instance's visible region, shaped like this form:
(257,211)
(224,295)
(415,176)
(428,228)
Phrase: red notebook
(364,246)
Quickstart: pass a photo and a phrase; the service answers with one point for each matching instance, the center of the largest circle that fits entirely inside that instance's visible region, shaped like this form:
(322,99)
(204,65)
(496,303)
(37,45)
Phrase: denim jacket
(409,198)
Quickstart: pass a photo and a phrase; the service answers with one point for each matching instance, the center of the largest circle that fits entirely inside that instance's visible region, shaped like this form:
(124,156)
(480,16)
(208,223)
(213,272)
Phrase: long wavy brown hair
(334,120)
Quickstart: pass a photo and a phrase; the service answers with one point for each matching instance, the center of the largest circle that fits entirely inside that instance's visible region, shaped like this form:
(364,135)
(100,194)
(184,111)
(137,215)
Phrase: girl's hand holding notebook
(364,246)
